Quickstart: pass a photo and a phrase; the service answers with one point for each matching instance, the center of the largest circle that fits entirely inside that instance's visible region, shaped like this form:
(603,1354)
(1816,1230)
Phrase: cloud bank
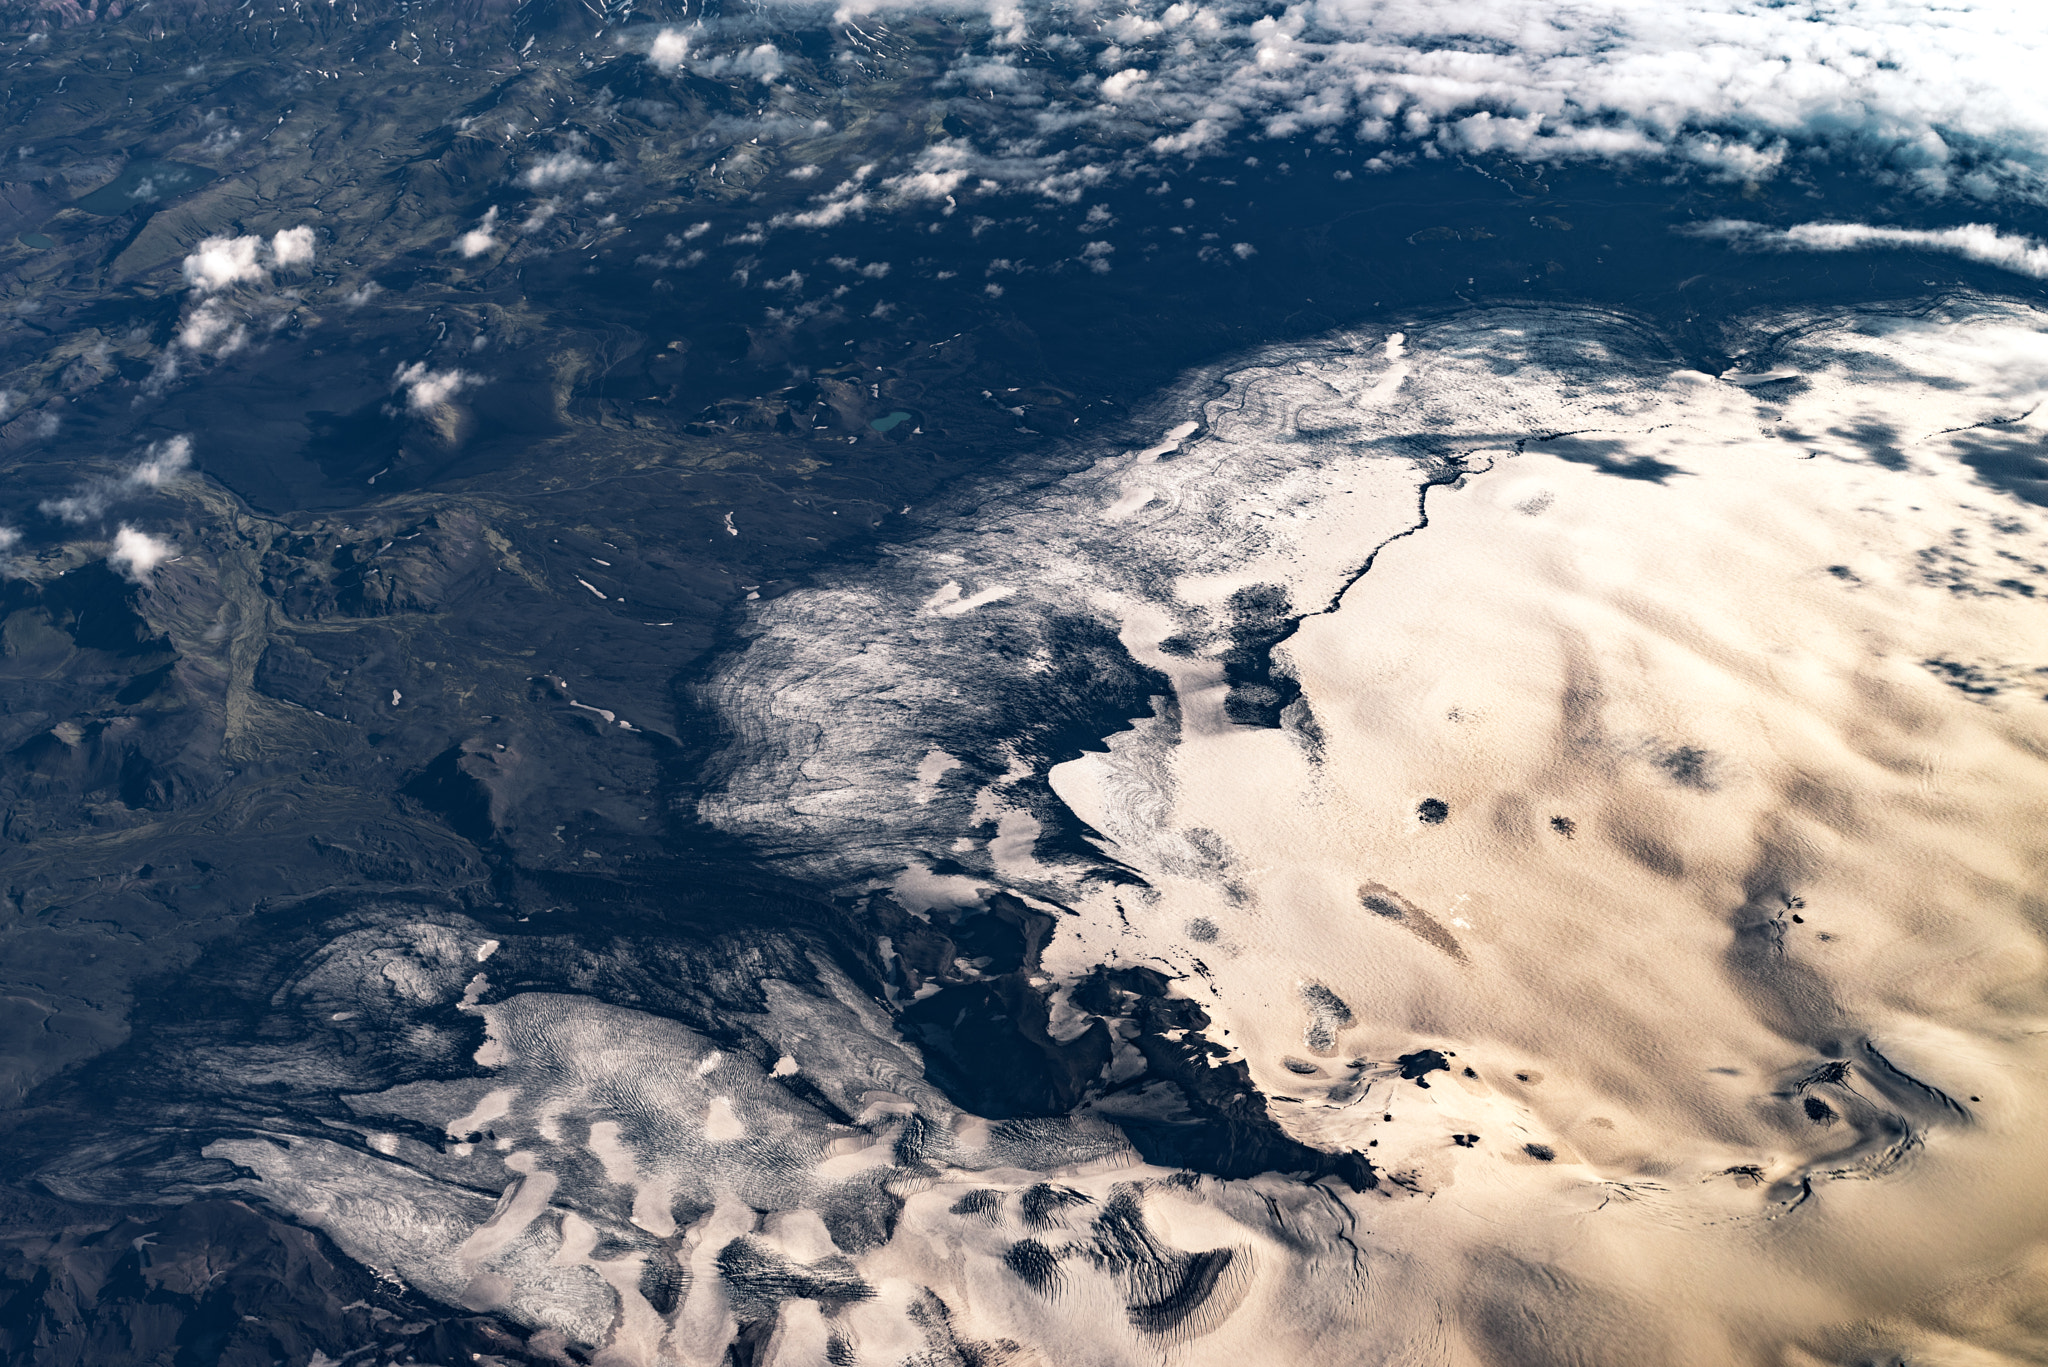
(1979,242)
(1938,101)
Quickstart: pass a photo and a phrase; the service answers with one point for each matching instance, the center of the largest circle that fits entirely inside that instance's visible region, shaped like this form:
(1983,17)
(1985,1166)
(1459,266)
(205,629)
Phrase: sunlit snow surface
(1668,751)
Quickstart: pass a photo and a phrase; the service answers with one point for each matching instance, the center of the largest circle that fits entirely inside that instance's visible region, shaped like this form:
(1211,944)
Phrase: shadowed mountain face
(615,623)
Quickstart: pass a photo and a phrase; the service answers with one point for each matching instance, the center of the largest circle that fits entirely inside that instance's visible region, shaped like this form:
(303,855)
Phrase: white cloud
(538,216)
(1978,242)
(1936,99)
(221,262)
(479,239)
(832,213)
(162,463)
(929,184)
(426,390)
(669,49)
(1115,88)
(557,168)
(293,247)
(762,63)
(163,374)
(210,327)
(82,506)
(137,553)
(873,270)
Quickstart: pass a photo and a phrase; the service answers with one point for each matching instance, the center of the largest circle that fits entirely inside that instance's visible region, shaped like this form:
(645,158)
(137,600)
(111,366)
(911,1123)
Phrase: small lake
(144,182)
(884,424)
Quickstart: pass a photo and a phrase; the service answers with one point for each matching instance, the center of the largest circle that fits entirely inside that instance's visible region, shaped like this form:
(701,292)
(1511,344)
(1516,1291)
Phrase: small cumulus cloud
(661,261)
(830,214)
(762,63)
(220,141)
(1116,88)
(163,374)
(426,390)
(927,184)
(1731,159)
(557,168)
(162,464)
(220,263)
(292,247)
(479,239)
(848,199)
(211,328)
(669,50)
(136,553)
(873,270)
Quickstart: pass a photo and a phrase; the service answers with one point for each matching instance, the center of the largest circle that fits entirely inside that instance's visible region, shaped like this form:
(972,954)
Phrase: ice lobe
(1023,611)
(1647,762)
(661,1200)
